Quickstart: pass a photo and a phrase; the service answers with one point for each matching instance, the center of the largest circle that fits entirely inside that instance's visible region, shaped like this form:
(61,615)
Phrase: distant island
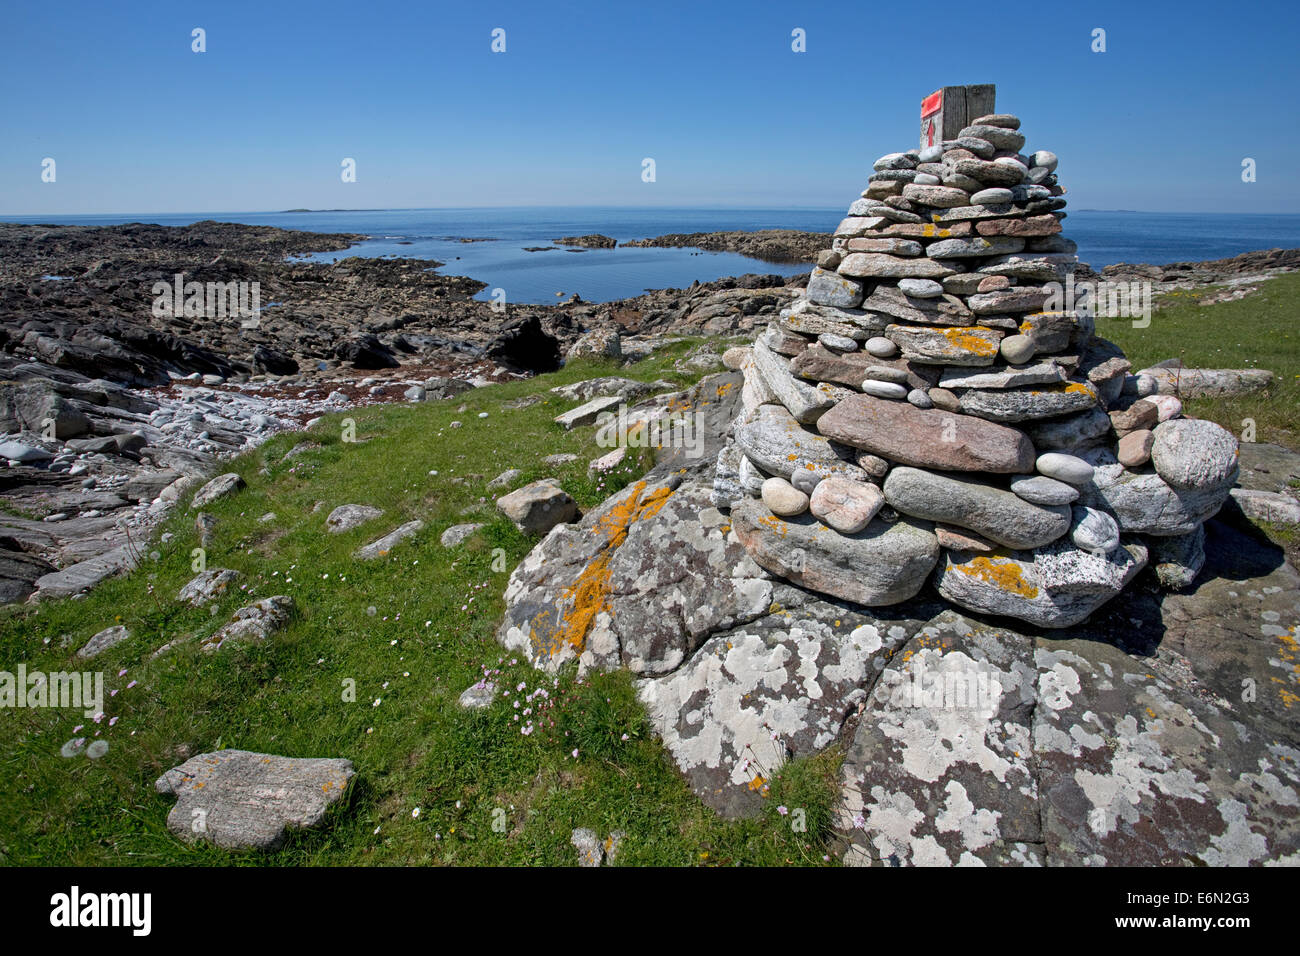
(286,211)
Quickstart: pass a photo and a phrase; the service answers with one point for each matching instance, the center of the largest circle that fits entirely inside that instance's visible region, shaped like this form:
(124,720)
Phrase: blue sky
(137,122)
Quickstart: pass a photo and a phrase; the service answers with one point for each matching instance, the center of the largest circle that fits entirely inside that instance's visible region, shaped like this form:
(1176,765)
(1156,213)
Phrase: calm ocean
(604,274)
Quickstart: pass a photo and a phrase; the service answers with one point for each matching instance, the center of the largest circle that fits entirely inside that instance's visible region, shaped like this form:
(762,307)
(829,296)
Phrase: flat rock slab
(927,437)
(1238,627)
(588,412)
(941,770)
(1208,382)
(819,364)
(458,533)
(883,564)
(1026,404)
(109,637)
(804,401)
(1136,770)
(1267,507)
(346,517)
(640,582)
(19,572)
(776,687)
(218,487)
(779,445)
(380,548)
(239,800)
(946,346)
(1268,467)
(628,389)
(86,574)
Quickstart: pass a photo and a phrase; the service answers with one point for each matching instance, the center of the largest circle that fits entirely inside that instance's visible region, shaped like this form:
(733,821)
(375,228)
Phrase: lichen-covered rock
(640,582)
(1033,402)
(1008,376)
(880,565)
(1178,559)
(207,586)
(777,687)
(240,800)
(941,769)
(726,478)
(346,517)
(105,639)
(1136,770)
(946,346)
(256,622)
(1054,586)
(805,402)
(778,444)
(827,288)
(458,533)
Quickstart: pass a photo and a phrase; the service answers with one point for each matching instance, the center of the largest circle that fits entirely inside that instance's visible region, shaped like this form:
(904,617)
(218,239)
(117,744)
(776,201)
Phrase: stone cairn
(928,408)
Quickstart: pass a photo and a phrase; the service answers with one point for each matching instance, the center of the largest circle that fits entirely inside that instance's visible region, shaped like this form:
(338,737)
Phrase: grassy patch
(1261,330)
(370,669)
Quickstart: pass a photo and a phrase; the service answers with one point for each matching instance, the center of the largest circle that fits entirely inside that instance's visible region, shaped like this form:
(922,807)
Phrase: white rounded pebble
(881,347)
(783,499)
(884,389)
(1067,468)
(920,288)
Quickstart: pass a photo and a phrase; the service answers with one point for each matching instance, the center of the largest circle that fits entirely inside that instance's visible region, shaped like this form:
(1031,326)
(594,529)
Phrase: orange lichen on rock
(1001,571)
(964,339)
(589,594)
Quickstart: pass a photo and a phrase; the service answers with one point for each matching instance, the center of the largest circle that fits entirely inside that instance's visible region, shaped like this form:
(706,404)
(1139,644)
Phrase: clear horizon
(732,115)
(700,208)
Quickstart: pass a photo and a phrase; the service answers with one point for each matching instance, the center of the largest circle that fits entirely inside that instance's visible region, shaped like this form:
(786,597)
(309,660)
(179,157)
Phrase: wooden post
(946,111)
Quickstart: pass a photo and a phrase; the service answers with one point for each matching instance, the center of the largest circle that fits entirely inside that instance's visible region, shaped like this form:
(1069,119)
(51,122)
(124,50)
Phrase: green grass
(1260,331)
(412,630)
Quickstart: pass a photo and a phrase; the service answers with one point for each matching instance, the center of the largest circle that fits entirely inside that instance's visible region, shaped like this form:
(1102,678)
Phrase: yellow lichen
(589,594)
(1001,571)
(970,341)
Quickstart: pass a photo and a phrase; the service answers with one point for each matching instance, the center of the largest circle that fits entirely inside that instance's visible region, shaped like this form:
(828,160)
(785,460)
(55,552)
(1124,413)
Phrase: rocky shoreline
(107,411)
(770,245)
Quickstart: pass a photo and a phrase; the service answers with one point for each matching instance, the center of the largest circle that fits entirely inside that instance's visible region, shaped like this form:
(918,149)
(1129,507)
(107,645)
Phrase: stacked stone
(927,409)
